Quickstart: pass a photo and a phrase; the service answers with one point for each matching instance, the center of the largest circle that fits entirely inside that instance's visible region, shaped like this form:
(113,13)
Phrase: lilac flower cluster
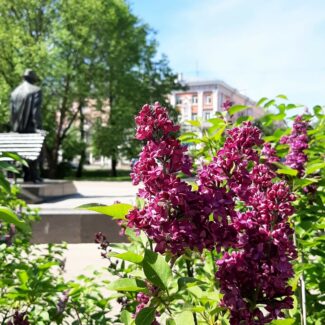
(298,142)
(142,300)
(270,153)
(227,104)
(256,273)
(62,303)
(238,205)
(174,216)
(19,318)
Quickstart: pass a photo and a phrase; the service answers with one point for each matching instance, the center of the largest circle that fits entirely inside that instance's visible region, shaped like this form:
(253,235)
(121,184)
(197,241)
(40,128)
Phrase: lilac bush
(240,209)
(212,239)
(298,143)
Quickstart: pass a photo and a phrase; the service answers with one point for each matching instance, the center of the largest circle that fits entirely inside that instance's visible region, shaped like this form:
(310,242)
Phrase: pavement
(85,258)
(92,192)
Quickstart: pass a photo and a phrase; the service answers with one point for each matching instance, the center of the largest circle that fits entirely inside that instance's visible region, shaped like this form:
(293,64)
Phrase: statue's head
(30,76)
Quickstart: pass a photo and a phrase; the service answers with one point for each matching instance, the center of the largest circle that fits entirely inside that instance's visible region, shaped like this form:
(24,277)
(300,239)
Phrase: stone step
(49,189)
(74,226)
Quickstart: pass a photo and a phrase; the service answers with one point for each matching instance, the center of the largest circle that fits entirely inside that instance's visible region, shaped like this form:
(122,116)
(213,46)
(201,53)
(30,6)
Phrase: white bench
(26,145)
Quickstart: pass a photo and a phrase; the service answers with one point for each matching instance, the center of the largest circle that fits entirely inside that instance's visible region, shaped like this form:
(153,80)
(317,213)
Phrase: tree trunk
(52,161)
(82,137)
(81,163)
(114,163)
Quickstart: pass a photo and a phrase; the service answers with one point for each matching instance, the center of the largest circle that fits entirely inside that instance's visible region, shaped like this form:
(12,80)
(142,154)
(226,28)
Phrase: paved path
(84,258)
(93,192)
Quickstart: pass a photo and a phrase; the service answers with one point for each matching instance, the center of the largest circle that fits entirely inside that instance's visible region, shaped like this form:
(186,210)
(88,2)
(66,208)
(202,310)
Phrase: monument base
(74,226)
(49,189)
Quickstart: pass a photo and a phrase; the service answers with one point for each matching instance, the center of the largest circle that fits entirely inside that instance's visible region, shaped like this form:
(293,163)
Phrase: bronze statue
(25,102)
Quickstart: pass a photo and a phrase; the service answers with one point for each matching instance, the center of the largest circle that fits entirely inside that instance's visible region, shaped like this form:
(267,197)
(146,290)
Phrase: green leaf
(216,121)
(126,317)
(4,183)
(156,269)
(284,169)
(186,317)
(187,136)
(15,157)
(23,276)
(195,123)
(218,134)
(269,103)
(303,182)
(116,211)
(282,96)
(318,110)
(127,256)
(4,165)
(7,215)
(287,171)
(236,108)
(311,168)
(187,282)
(127,284)
(44,315)
(293,106)
(194,185)
(146,316)
(261,101)
(242,119)
(287,321)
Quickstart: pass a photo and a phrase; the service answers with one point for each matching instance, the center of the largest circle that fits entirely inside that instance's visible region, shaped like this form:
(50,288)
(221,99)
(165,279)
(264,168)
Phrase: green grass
(101,175)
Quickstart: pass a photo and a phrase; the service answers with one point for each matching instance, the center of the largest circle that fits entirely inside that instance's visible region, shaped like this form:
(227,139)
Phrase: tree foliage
(81,50)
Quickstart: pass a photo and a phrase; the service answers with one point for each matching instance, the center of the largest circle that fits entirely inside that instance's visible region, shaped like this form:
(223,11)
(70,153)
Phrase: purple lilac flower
(270,153)
(298,143)
(19,318)
(177,218)
(62,303)
(142,300)
(227,104)
(258,271)
(174,216)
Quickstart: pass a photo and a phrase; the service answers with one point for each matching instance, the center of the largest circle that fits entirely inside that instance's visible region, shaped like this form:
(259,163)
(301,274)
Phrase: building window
(221,99)
(194,100)
(194,116)
(208,99)
(178,100)
(207,115)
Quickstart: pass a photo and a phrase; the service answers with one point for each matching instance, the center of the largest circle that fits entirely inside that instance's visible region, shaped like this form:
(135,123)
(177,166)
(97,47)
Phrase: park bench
(26,145)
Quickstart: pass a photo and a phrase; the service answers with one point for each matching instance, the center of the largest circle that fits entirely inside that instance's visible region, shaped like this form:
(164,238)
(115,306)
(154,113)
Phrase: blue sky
(260,47)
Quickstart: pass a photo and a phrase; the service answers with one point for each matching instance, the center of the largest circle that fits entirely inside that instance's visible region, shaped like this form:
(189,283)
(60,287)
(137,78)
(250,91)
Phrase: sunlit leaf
(146,316)
(9,216)
(116,211)
(127,256)
(156,269)
(126,284)
(236,108)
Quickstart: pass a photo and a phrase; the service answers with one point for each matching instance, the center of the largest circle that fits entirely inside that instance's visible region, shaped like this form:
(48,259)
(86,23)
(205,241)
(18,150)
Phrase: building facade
(202,99)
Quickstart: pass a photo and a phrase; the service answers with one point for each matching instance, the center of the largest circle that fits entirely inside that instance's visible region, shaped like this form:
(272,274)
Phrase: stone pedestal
(74,226)
(49,189)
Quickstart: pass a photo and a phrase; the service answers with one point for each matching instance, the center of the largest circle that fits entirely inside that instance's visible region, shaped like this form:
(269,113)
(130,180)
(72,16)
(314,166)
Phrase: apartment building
(202,99)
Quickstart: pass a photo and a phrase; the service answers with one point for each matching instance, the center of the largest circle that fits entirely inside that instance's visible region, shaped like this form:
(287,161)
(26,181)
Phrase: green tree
(81,49)
(152,81)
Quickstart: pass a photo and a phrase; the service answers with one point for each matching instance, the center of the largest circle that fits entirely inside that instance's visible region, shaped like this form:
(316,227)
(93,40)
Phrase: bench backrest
(27,145)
